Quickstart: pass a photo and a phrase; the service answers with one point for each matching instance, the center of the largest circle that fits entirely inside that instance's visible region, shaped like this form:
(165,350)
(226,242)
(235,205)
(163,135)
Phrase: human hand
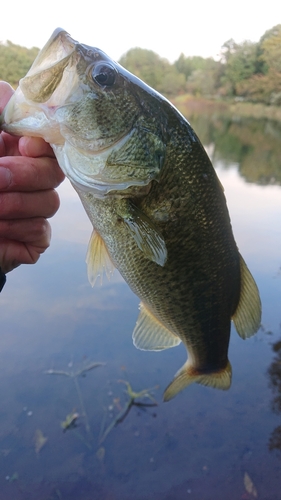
(29,173)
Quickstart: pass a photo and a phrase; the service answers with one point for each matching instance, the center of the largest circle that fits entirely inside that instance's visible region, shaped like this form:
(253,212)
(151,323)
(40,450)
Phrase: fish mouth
(59,47)
(34,110)
(39,93)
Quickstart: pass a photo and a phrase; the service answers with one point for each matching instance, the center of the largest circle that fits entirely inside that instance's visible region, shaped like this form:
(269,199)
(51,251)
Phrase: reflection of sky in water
(199,445)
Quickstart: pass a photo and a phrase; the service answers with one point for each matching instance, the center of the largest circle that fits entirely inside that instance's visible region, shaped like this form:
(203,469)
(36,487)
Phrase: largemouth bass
(157,207)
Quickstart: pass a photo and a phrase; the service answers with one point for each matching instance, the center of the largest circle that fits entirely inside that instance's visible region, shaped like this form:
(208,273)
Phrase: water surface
(204,444)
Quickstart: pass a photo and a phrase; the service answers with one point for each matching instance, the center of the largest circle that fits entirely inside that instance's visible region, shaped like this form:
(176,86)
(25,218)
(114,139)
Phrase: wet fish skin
(156,204)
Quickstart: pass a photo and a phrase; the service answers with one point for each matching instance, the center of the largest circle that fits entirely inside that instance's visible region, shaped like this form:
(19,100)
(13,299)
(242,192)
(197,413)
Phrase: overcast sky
(168,27)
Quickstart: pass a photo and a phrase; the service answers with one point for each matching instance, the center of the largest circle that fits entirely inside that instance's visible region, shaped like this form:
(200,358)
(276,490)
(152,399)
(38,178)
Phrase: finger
(13,253)
(29,174)
(35,146)
(26,205)
(8,145)
(25,230)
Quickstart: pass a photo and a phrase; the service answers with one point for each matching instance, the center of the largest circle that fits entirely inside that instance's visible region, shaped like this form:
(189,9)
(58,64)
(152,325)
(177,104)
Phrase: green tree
(187,65)
(153,70)
(265,85)
(205,81)
(270,49)
(240,63)
(202,75)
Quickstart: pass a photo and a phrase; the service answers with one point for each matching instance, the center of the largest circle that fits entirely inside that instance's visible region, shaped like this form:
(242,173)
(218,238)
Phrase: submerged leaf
(12,478)
(89,367)
(40,440)
(58,372)
(70,421)
(249,485)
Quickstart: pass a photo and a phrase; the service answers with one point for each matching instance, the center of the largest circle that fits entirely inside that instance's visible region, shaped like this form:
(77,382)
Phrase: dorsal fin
(98,259)
(247,317)
(150,335)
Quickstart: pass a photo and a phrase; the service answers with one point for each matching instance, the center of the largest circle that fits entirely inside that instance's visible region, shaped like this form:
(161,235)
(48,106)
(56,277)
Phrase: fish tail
(187,375)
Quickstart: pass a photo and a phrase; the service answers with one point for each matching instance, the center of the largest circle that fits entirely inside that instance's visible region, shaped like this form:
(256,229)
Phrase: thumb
(34,147)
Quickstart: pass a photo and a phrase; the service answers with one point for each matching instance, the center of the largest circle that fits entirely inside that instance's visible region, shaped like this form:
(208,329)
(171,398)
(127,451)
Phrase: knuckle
(53,203)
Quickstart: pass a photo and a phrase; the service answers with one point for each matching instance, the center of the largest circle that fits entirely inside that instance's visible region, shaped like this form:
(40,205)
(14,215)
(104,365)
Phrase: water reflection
(275,382)
(199,446)
(253,144)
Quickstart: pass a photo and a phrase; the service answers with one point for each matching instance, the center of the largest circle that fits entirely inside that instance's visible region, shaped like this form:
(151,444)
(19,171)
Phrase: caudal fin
(187,375)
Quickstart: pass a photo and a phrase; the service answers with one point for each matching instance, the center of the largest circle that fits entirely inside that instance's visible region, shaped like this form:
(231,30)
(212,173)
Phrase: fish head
(100,120)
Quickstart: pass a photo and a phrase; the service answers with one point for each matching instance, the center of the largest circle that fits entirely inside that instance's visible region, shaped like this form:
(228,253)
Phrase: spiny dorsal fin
(188,375)
(98,259)
(150,335)
(145,233)
(247,317)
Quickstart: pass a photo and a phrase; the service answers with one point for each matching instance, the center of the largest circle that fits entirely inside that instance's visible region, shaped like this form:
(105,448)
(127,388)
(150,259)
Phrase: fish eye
(104,74)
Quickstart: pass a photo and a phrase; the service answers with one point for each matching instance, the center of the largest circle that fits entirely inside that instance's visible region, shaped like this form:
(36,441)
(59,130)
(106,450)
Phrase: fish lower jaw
(16,120)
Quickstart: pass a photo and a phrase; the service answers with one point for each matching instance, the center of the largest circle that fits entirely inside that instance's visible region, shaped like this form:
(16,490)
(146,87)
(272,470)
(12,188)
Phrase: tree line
(247,71)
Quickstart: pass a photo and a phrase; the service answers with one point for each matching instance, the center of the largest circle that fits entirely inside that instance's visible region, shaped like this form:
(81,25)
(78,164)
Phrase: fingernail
(5,177)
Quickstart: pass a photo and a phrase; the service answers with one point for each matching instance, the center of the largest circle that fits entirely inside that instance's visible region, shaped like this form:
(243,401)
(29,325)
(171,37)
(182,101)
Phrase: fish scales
(157,207)
(193,292)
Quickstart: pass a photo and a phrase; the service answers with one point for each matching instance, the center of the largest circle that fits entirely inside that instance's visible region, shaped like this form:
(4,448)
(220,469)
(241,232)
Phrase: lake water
(202,445)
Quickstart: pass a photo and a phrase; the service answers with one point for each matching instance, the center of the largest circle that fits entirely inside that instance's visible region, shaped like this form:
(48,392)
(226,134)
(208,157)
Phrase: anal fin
(98,259)
(187,375)
(247,317)
(150,335)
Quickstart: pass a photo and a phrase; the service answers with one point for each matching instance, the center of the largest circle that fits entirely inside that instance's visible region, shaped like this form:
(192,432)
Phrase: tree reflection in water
(274,372)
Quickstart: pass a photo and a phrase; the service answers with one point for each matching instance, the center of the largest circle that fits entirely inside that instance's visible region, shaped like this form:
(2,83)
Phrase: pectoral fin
(188,374)
(145,233)
(150,335)
(247,316)
(98,259)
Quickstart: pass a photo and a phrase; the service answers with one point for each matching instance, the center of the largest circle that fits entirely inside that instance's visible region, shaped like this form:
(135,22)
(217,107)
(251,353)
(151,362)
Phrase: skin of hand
(29,174)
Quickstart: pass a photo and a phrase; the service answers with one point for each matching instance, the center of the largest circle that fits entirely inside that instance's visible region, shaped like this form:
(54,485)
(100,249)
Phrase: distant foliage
(240,63)
(247,71)
(154,70)
(15,61)
(252,71)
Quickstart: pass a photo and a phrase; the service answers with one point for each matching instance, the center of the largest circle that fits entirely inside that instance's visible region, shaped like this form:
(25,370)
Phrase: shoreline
(188,105)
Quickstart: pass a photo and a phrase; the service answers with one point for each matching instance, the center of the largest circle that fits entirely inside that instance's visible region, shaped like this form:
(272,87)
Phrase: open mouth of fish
(37,108)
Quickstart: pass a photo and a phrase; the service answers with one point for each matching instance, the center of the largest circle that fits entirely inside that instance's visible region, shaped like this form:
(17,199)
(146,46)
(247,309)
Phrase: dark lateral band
(2,279)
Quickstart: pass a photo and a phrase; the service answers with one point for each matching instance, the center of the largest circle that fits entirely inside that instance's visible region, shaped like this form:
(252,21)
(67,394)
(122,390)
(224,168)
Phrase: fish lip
(66,42)
(56,33)
(59,46)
